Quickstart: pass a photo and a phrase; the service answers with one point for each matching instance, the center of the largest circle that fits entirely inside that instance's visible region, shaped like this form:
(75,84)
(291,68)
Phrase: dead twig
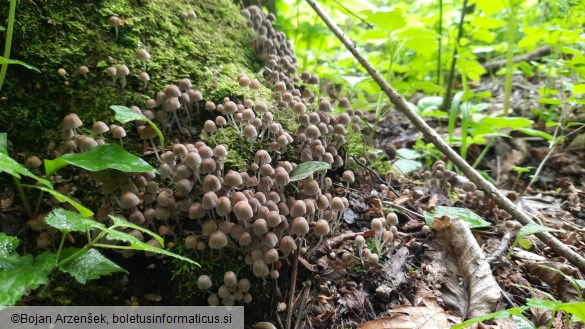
(431,135)
(502,248)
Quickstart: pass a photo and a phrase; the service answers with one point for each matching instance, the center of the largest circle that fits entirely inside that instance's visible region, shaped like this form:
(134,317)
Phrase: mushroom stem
(121,142)
(154,148)
(314,248)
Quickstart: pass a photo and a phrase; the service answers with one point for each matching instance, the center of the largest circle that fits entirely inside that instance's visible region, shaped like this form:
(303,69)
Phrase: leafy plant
(526,230)
(18,274)
(472,219)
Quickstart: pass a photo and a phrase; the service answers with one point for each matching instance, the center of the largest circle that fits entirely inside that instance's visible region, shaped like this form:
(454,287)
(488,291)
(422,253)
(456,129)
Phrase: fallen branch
(494,66)
(431,135)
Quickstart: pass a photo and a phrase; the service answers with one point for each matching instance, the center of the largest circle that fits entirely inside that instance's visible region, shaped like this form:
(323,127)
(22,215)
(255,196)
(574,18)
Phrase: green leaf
(20,274)
(577,309)
(125,114)
(533,228)
(305,169)
(469,217)
(549,101)
(407,165)
(63,198)
(88,265)
(525,244)
(11,167)
(536,133)
(408,153)
(507,122)
(68,221)
(4,143)
(102,157)
(386,20)
(423,41)
(8,244)
(432,102)
(124,223)
(3,61)
(492,316)
(578,89)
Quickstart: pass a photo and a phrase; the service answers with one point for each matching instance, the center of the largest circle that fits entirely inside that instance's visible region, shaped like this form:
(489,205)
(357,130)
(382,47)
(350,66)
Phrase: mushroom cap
(111,71)
(230,279)
(191,242)
(298,208)
(118,132)
(204,282)
(377,224)
(321,227)
(83,69)
(232,179)
(270,256)
(260,227)
(142,54)
(300,226)
(392,219)
(359,241)
(71,121)
(122,71)
(196,211)
(217,240)
(129,200)
(260,268)
(32,162)
(243,211)
(211,183)
(337,204)
(99,127)
(244,285)
(288,244)
(209,126)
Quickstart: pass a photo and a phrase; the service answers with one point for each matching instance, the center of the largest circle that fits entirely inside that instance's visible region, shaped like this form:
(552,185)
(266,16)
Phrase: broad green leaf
(386,20)
(13,168)
(406,165)
(408,153)
(472,219)
(507,122)
(492,316)
(305,169)
(549,101)
(3,61)
(68,221)
(579,89)
(432,102)
(423,41)
(102,157)
(534,228)
(4,143)
(124,223)
(88,265)
(536,133)
(25,273)
(7,244)
(542,303)
(577,309)
(488,23)
(63,198)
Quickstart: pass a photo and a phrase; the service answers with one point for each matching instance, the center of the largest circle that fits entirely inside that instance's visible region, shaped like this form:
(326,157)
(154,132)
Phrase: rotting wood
(431,135)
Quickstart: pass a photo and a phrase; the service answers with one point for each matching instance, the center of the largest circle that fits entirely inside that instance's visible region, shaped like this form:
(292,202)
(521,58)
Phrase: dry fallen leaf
(482,291)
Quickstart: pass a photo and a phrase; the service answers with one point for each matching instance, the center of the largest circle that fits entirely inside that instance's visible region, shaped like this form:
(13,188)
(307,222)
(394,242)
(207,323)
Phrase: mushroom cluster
(258,213)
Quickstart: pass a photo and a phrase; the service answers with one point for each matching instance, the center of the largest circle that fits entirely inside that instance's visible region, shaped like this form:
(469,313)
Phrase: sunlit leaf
(423,41)
(88,265)
(102,157)
(578,89)
(63,198)
(68,221)
(124,223)
(533,228)
(125,114)
(13,168)
(305,169)
(472,219)
(4,61)
(8,244)
(407,165)
(20,274)
(385,20)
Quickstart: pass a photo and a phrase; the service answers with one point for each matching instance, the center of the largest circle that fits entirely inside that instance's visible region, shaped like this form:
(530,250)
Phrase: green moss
(357,148)
(55,34)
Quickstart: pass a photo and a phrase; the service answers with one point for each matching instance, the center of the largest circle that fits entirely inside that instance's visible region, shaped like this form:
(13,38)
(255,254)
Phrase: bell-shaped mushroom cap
(262,157)
(217,240)
(232,179)
(392,219)
(299,208)
(118,132)
(147,132)
(270,256)
(122,71)
(142,54)
(196,211)
(86,143)
(211,183)
(32,162)
(71,121)
(230,279)
(260,227)
(204,282)
(260,268)
(209,126)
(129,200)
(209,200)
(300,226)
(321,227)
(337,204)
(99,127)
(244,285)
(377,224)
(243,211)
(288,244)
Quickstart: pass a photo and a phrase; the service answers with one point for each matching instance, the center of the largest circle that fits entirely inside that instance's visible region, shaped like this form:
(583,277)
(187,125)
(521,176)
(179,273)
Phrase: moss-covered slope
(53,34)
